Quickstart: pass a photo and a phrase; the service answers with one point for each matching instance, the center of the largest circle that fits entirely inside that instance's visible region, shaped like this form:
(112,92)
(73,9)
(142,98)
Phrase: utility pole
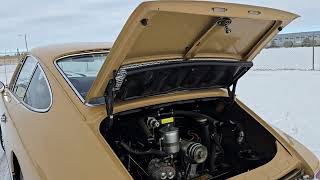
(313,51)
(18,54)
(25,40)
(5,66)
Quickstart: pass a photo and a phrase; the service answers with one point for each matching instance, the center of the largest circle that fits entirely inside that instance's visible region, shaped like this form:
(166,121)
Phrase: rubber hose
(212,163)
(191,114)
(137,152)
(145,129)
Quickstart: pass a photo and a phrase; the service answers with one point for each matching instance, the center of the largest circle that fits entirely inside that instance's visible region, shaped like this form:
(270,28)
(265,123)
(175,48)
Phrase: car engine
(175,143)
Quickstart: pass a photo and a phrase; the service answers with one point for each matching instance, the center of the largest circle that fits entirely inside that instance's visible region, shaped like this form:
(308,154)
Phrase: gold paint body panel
(65,143)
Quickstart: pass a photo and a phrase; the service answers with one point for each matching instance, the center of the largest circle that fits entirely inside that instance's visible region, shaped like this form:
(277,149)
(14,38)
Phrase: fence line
(301,58)
(10,53)
(9,60)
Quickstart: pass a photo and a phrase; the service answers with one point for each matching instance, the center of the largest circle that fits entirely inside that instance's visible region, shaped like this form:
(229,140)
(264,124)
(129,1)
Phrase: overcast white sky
(57,21)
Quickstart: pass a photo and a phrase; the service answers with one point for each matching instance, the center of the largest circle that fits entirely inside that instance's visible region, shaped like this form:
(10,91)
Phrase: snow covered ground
(6,72)
(4,171)
(287,99)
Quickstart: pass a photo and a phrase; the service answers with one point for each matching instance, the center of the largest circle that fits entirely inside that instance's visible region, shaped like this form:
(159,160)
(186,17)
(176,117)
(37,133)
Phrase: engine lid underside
(143,80)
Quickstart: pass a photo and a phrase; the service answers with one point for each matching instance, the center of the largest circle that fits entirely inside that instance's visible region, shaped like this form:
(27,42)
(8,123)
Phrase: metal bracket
(109,100)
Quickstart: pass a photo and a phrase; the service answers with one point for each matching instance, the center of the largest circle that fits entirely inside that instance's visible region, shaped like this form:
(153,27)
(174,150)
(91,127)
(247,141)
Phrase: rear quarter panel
(58,144)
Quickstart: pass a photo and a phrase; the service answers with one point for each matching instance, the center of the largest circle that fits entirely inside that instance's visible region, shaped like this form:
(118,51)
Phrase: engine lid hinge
(109,99)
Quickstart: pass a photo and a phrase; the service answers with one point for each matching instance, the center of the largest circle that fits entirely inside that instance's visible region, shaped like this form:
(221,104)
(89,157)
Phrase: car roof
(48,54)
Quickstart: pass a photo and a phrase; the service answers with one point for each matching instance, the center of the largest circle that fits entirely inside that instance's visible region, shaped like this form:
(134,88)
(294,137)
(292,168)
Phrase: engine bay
(212,138)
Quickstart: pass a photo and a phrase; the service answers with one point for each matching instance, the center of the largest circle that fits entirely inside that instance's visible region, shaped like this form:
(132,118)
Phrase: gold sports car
(157,104)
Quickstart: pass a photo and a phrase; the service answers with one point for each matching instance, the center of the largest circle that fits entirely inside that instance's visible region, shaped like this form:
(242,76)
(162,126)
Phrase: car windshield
(82,70)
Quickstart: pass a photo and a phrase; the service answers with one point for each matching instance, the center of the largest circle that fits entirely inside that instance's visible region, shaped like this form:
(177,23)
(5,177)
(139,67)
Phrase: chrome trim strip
(20,64)
(67,79)
(294,174)
(49,87)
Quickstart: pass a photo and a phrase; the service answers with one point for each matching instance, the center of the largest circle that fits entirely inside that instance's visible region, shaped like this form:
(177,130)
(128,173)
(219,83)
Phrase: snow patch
(288,100)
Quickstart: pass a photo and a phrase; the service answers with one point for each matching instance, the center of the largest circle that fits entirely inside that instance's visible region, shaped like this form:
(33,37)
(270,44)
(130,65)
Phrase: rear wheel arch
(16,168)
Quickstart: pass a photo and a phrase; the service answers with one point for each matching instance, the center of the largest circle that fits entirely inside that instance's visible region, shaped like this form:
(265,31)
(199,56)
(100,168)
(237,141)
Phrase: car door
(19,100)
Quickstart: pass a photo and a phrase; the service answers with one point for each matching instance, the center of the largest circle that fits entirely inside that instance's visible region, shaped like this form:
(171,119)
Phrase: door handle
(4,118)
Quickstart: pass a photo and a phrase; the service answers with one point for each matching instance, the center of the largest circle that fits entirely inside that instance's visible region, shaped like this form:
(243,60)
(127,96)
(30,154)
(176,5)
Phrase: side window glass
(38,94)
(24,77)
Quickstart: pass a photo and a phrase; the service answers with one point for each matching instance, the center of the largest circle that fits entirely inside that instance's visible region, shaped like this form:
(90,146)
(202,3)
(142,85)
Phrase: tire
(16,171)
(20,175)
(1,140)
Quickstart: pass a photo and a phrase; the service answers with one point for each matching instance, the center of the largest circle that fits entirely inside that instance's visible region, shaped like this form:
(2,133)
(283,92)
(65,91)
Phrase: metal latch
(225,22)
(4,118)
(196,46)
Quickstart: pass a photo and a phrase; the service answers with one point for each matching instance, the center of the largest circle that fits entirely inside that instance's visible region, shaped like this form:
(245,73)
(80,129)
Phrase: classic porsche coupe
(159,103)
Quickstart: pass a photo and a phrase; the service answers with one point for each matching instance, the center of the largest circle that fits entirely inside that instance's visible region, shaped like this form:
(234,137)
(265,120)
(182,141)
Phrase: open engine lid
(190,30)
(162,77)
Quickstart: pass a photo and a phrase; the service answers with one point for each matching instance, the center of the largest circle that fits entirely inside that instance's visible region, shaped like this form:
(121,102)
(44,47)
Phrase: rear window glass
(38,88)
(82,70)
(24,77)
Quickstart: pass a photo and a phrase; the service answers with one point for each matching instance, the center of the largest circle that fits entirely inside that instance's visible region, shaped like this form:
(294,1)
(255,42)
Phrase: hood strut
(109,100)
(231,87)
(232,92)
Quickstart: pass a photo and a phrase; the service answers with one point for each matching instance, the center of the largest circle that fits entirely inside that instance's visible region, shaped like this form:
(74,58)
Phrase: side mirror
(2,87)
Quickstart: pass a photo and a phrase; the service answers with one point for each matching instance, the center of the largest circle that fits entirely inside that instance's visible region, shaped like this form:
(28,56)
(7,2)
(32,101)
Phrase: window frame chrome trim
(27,106)
(67,79)
(21,64)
